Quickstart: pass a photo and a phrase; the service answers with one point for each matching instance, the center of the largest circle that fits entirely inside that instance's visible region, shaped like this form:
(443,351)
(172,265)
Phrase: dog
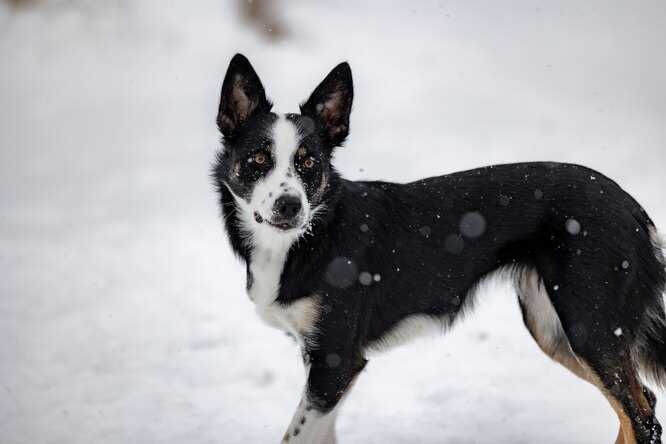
(350,267)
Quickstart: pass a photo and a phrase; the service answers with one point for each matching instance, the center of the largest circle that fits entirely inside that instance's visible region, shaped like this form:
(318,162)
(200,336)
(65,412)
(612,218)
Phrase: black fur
(242,97)
(330,105)
(425,246)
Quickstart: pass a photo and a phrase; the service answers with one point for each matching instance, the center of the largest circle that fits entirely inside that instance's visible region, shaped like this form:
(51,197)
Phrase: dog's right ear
(242,96)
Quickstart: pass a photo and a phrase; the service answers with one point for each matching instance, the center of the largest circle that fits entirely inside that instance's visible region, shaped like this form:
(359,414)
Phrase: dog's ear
(242,96)
(331,103)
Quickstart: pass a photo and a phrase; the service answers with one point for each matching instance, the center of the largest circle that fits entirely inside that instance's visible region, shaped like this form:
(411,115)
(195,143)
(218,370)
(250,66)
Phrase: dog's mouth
(282,225)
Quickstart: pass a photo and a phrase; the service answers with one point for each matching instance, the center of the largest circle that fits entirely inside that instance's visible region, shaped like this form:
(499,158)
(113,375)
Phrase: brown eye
(260,158)
(301,151)
(309,163)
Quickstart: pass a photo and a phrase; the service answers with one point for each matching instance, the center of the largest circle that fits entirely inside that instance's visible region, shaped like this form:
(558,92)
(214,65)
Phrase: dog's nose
(287,206)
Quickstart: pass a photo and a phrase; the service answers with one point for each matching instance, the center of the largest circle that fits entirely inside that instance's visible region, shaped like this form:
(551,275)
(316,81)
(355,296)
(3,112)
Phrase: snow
(122,309)
(365,278)
(572,226)
(472,224)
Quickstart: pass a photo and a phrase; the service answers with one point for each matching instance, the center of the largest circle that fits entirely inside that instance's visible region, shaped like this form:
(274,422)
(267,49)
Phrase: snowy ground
(123,316)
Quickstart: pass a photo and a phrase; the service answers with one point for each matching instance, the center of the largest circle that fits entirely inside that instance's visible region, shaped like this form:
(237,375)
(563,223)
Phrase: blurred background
(123,315)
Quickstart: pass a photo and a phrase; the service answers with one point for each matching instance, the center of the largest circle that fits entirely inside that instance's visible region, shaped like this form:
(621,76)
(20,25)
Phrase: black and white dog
(350,267)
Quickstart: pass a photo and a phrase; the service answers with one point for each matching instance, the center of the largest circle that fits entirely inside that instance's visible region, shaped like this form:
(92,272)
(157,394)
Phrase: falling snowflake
(618,332)
(572,226)
(341,272)
(365,278)
(472,224)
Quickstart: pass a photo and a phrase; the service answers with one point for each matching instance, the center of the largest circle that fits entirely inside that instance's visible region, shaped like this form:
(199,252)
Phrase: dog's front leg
(329,378)
(310,425)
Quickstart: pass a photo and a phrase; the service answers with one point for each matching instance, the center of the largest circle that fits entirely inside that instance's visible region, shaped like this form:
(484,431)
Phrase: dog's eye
(309,162)
(260,158)
(302,151)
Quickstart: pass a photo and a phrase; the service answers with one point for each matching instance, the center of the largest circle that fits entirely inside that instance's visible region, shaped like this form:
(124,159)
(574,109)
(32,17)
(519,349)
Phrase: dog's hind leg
(611,371)
(618,380)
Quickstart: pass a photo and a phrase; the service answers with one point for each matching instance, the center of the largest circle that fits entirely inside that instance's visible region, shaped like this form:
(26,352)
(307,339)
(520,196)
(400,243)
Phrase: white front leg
(310,426)
(328,381)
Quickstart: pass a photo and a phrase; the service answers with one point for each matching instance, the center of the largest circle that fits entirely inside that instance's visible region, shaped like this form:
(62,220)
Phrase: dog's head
(278,166)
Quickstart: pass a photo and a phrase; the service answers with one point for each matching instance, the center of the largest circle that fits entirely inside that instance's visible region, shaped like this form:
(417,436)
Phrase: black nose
(287,206)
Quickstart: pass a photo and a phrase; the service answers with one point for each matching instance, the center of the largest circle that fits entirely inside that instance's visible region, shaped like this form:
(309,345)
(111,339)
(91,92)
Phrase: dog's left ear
(331,103)
(242,96)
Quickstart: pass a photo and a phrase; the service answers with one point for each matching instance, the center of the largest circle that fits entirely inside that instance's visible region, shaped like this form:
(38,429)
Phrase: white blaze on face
(281,179)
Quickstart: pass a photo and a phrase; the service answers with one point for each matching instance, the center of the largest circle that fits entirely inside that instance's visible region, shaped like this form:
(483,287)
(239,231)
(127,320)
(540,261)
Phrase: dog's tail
(649,351)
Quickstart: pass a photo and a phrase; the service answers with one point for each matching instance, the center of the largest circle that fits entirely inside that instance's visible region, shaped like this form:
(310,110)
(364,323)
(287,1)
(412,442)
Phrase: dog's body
(352,267)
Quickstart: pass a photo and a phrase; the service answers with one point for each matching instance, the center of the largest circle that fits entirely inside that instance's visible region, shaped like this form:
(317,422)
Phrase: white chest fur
(266,268)
(297,318)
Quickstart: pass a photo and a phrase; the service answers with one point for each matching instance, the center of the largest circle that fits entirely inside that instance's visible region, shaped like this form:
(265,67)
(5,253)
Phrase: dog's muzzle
(287,213)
